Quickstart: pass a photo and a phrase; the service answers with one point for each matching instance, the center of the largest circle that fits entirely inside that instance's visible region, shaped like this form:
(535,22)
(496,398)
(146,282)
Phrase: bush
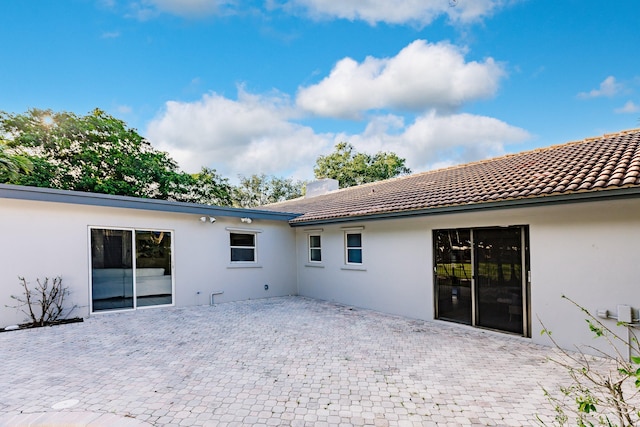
(45,303)
(604,389)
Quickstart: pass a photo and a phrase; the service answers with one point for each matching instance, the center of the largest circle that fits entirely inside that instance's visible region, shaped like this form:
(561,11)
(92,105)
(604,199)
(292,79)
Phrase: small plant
(45,303)
(604,389)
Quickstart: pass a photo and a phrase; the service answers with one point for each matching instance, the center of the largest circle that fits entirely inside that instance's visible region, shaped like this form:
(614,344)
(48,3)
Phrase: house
(491,244)
(123,253)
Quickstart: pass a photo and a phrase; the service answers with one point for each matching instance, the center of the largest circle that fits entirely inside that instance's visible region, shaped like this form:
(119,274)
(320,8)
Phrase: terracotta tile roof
(594,164)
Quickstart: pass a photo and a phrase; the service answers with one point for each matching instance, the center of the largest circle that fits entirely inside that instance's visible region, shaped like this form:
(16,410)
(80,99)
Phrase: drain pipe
(214,293)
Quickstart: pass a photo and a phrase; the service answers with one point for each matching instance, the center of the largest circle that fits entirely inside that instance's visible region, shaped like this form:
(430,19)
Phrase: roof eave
(20,192)
(546,200)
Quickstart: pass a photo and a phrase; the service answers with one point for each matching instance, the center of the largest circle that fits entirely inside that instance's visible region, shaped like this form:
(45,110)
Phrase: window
(243,247)
(315,248)
(130,268)
(353,248)
(480,277)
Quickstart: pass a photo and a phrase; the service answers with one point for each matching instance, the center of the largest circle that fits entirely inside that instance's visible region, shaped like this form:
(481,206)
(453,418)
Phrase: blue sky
(267,86)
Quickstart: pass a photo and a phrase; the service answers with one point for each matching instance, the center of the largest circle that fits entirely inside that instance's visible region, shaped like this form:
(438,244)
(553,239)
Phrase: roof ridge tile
(602,163)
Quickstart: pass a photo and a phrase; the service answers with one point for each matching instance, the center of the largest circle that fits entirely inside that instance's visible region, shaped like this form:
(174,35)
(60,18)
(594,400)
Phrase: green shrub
(604,389)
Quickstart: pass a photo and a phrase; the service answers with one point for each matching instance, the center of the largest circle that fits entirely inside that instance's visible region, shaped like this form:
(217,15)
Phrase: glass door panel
(498,273)
(153,268)
(453,275)
(111,270)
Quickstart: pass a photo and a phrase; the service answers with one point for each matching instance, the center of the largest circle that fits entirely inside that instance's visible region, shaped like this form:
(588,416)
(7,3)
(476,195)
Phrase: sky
(252,87)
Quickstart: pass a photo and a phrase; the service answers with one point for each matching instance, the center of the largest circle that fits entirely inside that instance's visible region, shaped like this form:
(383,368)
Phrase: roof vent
(320,187)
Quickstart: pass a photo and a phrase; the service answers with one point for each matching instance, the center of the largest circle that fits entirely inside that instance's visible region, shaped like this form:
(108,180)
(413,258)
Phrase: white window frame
(133,267)
(314,248)
(347,232)
(313,232)
(254,247)
(244,264)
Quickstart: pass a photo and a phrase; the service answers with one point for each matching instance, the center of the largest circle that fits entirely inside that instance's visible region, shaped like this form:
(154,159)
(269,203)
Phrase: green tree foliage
(258,190)
(99,153)
(352,168)
(601,391)
(12,164)
(209,188)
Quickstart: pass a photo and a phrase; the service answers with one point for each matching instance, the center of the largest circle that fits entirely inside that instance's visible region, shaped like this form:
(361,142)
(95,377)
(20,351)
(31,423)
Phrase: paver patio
(279,361)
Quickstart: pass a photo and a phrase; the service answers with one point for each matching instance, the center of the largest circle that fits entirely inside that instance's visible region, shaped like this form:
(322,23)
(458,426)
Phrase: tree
(99,153)
(352,168)
(604,390)
(12,165)
(258,190)
(209,188)
(44,303)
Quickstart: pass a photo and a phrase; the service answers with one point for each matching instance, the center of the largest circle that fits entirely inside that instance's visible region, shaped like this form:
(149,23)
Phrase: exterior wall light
(246,220)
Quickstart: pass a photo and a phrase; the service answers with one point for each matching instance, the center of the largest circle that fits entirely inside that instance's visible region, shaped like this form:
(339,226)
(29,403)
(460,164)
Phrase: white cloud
(255,134)
(262,133)
(418,12)
(147,9)
(124,109)
(628,107)
(110,35)
(252,134)
(421,76)
(414,12)
(608,88)
(434,141)
(109,4)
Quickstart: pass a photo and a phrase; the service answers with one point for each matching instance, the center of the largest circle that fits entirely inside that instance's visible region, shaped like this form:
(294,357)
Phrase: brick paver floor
(279,361)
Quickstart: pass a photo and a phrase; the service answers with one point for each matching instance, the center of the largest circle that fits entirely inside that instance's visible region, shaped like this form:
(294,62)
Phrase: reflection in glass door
(111,269)
(116,255)
(153,268)
(498,273)
(453,275)
(480,277)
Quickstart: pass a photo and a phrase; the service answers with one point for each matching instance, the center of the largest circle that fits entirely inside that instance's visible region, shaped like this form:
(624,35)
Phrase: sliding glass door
(498,278)
(130,269)
(153,268)
(453,274)
(111,269)
(480,277)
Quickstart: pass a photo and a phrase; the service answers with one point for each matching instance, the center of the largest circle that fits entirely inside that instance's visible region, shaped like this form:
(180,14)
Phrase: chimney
(320,187)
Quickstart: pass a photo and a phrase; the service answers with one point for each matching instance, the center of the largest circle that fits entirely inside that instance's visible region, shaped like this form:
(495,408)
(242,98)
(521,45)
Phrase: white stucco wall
(394,275)
(589,253)
(48,239)
(586,251)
